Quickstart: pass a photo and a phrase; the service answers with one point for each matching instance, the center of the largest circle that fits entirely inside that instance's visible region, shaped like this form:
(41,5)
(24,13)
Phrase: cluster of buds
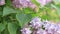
(37,26)
(2,2)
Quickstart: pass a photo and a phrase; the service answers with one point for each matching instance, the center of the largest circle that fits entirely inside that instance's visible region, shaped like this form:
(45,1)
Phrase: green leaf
(8,10)
(2,27)
(12,28)
(1,12)
(57,8)
(23,18)
(56,1)
(45,17)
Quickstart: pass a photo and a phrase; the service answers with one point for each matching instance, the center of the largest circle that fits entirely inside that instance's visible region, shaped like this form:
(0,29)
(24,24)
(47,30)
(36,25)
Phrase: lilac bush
(29,16)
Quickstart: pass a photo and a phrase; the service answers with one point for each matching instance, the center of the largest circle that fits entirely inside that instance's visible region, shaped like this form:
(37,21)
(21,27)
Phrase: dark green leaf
(2,27)
(12,28)
(8,10)
(23,18)
(8,2)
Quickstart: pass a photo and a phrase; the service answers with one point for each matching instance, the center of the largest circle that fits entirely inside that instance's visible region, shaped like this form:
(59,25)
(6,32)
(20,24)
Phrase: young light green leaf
(56,1)
(57,8)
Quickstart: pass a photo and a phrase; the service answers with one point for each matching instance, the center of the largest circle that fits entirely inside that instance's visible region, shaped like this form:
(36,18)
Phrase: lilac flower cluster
(2,2)
(28,3)
(41,27)
(23,4)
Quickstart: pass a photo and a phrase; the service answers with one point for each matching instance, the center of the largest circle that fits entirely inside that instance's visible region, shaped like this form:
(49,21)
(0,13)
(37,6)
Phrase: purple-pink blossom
(26,31)
(2,2)
(23,4)
(16,3)
(36,23)
(40,31)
